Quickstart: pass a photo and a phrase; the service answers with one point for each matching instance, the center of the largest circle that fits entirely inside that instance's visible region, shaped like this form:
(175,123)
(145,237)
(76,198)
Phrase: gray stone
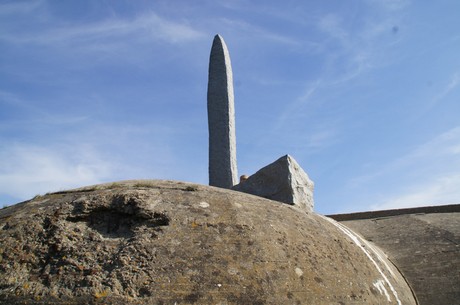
(221,118)
(283,180)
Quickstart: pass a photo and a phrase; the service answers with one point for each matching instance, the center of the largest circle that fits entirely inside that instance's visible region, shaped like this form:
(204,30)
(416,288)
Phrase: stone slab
(283,180)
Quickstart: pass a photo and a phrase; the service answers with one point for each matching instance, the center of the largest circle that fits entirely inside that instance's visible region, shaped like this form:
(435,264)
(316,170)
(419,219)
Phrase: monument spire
(221,117)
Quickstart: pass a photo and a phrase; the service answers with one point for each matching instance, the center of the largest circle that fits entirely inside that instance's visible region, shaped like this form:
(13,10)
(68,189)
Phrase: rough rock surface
(221,117)
(283,180)
(165,242)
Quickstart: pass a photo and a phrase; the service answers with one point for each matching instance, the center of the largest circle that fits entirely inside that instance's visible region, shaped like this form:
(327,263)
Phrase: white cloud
(28,170)
(441,96)
(107,34)
(353,48)
(32,115)
(440,153)
(296,105)
(91,154)
(453,83)
(437,191)
(321,138)
(431,173)
(19,7)
(443,145)
(257,32)
(391,5)
(331,24)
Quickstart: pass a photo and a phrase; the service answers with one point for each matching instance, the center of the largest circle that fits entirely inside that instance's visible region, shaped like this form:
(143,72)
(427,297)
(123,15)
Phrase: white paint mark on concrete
(377,252)
(204,204)
(298,271)
(380,285)
(356,239)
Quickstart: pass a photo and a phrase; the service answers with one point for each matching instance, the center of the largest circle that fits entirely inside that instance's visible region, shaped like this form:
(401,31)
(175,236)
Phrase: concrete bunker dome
(166,242)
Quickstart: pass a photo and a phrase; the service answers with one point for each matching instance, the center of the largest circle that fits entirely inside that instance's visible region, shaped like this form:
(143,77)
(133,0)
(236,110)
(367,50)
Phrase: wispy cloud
(17,7)
(259,33)
(429,103)
(28,170)
(55,150)
(94,154)
(391,5)
(296,105)
(321,138)
(430,174)
(354,48)
(106,34)
(32,114)
(331,24)
(439,190)
(443,148)
(452,84)
(350,50)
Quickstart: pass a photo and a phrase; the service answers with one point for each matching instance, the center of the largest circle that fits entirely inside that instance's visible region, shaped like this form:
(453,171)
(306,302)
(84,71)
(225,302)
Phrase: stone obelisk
(221,118)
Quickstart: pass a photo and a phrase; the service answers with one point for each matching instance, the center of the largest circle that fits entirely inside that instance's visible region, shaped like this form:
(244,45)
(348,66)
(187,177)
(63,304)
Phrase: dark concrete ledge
(423,243)
(451,208)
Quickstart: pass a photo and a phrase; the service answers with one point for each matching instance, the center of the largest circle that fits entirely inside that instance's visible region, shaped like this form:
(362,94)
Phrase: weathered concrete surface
(283,180)
(424,243)
(165,242)
(221,118)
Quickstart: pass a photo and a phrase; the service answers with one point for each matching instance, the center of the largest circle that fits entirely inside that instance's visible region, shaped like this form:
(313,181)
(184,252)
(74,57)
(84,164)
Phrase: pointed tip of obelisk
(219,46)
(218,39)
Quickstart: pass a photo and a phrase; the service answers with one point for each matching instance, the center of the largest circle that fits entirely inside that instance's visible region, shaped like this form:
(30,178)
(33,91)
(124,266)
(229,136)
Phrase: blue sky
(365,95)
